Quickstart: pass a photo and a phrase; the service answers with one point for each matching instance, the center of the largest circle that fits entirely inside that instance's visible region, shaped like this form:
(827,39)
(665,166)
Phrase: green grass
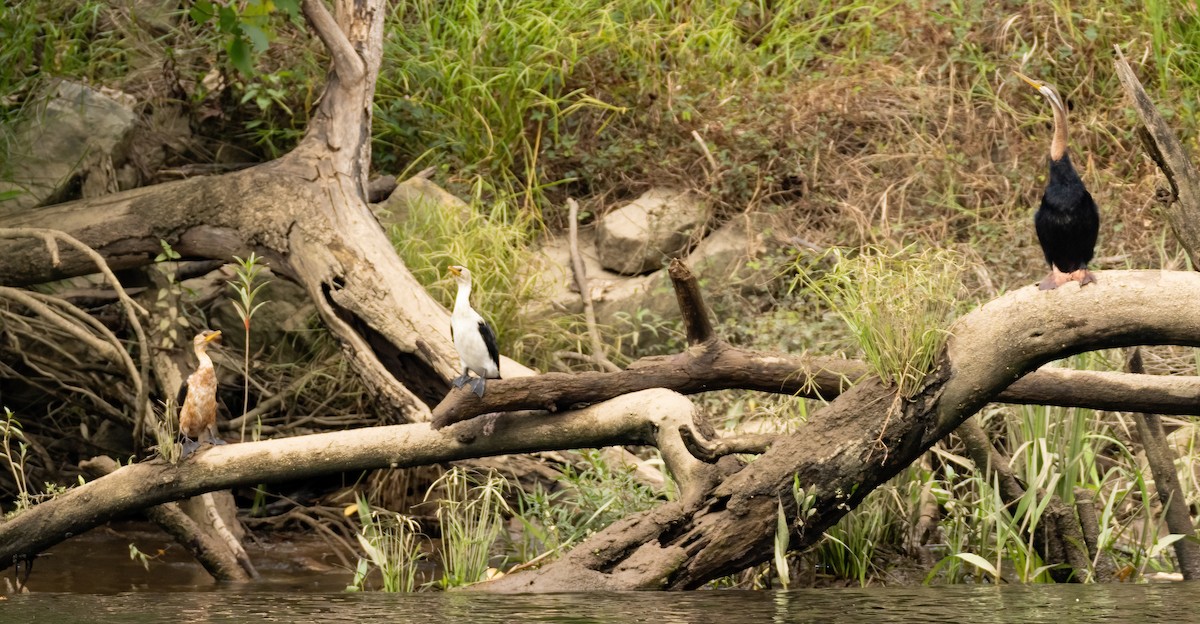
(589,498)
(896,306)
(469,511)
(392,545)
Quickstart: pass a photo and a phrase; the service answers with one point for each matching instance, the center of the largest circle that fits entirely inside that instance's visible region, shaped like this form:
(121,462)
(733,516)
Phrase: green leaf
(201,11)
(979,562)
(256,36)
(227,20)
(239,55)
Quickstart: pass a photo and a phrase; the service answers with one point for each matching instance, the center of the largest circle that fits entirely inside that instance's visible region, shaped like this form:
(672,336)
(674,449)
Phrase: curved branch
(652,417)
(346,62)
(834,457)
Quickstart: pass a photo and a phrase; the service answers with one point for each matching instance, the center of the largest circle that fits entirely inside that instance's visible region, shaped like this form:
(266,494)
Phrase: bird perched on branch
(198,397)
(473,338)
(1067,222)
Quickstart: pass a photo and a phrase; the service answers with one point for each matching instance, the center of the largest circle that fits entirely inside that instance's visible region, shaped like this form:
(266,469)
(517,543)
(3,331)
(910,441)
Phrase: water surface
(1131,604)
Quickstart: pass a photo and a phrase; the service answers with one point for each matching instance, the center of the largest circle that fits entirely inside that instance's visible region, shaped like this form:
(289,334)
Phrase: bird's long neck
(205,360)
(463,300)
(1058,145)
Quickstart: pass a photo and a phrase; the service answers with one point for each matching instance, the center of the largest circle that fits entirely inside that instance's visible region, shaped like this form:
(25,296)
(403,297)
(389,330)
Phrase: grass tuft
(896,306)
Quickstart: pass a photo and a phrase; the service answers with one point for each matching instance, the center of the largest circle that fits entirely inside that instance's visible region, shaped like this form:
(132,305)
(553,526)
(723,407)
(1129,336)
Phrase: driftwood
(834,457)
(1182,205)
(713,364)
(652,417)
(717,526)
(216,557)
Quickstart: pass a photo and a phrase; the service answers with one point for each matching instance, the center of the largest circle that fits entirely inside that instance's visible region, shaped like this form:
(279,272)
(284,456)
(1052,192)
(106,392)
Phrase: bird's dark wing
(489,339)
(179,398)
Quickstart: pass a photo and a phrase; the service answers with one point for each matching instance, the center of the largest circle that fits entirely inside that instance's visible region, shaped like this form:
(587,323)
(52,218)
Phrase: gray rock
(641,236)
(641,304)
(76,131)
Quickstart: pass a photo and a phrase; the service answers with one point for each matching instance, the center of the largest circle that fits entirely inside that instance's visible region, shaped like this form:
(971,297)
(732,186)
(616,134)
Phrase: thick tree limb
(213,554)
(1183,211)
(720,366)
(652,417)
(833,457)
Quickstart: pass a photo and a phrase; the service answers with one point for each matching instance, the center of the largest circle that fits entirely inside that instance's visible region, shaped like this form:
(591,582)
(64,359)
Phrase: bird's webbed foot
(478,385)
(460,381)
(1083,276)
(1054,279)
(189,446)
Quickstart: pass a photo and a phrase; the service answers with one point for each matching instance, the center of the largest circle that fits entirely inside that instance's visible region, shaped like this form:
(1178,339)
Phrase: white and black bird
(473,338)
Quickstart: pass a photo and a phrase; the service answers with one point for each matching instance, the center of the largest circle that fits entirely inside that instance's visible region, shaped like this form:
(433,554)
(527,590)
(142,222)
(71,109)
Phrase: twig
(581,280)
(132,310)
(712,162)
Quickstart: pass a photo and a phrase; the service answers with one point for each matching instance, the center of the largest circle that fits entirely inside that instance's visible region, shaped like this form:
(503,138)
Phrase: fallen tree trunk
(859,441)
(654,417)
(846,450)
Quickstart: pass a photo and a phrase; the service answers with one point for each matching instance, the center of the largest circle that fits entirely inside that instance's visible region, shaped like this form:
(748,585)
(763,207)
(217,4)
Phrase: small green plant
(14,451)
(392,543)
(136,554)
(165,430)
(470,514)
(897,307)
(588,499)
(782,538)
(247,272)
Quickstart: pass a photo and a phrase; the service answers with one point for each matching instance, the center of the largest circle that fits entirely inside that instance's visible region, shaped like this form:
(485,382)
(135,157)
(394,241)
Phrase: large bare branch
(835,458)
(652,417)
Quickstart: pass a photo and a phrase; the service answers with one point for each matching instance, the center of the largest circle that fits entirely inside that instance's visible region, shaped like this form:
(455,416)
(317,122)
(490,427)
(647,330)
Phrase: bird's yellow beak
(213,336)
(1033,83)
(455,270)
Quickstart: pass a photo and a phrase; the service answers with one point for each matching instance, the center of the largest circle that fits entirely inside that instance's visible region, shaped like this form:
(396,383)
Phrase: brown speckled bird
(198,397)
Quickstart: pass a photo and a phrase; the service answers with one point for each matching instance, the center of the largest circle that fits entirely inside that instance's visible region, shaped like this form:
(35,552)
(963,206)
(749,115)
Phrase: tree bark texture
(845,451)
(1182,208)
(653,417)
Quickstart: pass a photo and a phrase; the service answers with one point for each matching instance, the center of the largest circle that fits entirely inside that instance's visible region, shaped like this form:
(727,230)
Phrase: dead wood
(713,364)
(217,559)
(585,291)
(1182,207)
(1167,489)
(646,418)
(685,545)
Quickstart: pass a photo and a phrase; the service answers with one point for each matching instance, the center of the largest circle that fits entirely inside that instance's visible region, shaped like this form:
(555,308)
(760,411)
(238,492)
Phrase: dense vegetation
(892,128)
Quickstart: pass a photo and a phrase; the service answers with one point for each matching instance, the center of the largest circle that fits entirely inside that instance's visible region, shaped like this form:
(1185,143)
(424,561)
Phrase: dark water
(1062,604)
(91,579)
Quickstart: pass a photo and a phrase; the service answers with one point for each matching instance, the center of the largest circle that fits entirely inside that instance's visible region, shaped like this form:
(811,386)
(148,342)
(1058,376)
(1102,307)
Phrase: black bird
(1067,221)
(473,337)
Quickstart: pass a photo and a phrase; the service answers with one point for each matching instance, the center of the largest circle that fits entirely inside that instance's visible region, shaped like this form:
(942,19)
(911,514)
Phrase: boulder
(640,305)
(641,236)
(418,192)
(77,131)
